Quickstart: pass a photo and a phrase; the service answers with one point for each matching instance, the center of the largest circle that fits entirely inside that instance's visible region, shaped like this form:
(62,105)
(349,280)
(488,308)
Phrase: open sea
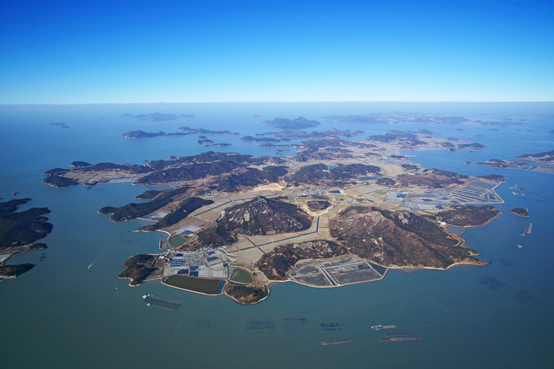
(63,315)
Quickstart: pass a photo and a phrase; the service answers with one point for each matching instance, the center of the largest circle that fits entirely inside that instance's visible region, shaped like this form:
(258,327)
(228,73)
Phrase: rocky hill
(433,178)
(398,239)
(259,216)
(277,263)
(468,215)
(319,174)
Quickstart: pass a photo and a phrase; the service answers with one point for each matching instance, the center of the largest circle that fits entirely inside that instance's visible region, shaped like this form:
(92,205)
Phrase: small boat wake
(96,259)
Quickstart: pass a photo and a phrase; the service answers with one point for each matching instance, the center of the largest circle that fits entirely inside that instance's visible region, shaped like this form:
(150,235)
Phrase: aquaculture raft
(335,342)
(163,303)
(400,339)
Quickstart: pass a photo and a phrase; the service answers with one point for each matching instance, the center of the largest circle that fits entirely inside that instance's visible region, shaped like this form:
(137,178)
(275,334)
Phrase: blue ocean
(63,315)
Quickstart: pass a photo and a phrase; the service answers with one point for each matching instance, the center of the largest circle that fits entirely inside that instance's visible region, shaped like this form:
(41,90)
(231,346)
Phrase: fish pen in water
(163,303)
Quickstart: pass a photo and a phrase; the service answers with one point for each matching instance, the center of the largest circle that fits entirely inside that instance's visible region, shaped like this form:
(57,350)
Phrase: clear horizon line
(286,102)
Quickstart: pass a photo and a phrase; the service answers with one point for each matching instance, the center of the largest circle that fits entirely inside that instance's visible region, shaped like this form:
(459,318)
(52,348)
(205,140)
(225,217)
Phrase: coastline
(474,226)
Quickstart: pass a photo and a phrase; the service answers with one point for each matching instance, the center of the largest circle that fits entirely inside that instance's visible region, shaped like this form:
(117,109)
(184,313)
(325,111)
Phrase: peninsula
(18,232)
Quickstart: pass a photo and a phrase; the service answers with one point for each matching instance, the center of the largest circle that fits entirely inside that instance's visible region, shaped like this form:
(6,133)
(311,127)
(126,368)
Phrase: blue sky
(248,51)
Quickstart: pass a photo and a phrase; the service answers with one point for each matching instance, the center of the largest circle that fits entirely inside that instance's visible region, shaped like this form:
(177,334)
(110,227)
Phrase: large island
(335,213)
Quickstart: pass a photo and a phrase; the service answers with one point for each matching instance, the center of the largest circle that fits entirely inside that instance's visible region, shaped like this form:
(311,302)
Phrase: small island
(263,139)
(541,162)
(218,145)
(202,131)
(61,125)
(520,212)
(138,135)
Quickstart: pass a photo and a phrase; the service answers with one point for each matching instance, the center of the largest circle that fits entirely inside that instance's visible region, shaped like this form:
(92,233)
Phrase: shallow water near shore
(63,314)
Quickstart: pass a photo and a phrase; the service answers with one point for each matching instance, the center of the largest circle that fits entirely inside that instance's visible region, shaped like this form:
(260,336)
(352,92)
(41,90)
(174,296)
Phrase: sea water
(62,314)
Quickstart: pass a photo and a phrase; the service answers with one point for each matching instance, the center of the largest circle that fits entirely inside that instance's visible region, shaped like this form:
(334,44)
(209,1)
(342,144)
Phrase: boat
(525,231)
(520,246)
(42,256)
(14,193)
(146,296)
(335,342)
(530,228)
(395,339)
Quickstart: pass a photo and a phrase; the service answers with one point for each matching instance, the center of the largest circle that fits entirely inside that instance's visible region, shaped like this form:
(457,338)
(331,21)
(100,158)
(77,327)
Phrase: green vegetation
(250,178)
(107,210)
(318,205)
(148,195)
(246,295)
(15,270)
(385,182)
(79,164)
(136,210)
(177,240)
(241,276)
(433,178)
(55,171)
(57,181)
(139,267)
(277,263)
(256,217)
(409,166)
(403,138)
(349,171)
(191,171)
(318,174)
(202,285)
(259,139)
(12,205)
(17,229)
(202,131)
(468,215)
(520,212)
(400,238)
(179,213)
(131,168)
(493,177)
(472,146)
(38,246)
